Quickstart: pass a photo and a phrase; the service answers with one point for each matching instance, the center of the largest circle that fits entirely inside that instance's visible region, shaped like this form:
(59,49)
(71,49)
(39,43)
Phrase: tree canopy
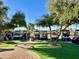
(3,14)
(47,20)
(66,11)
(18,19)
(30,26)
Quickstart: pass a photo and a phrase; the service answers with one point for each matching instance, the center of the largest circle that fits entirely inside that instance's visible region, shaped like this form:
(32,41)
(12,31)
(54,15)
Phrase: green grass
(68,51)
(12,41)
(9,43)
(5,45)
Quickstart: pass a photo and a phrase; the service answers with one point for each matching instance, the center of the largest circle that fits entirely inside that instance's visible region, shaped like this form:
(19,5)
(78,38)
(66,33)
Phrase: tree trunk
(50,34)
(52,42)
(66,27)
(61,30)
(39,32)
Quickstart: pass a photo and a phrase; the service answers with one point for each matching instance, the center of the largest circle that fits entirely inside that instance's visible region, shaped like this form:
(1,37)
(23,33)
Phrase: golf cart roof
(20,29)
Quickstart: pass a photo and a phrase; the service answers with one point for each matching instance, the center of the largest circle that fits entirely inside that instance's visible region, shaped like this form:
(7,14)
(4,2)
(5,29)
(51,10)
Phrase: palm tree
(31,28)
(48,21)
(38,25)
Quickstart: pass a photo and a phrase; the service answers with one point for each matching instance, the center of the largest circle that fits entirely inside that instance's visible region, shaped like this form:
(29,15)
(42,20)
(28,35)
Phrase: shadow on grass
(10,43)
(68,51)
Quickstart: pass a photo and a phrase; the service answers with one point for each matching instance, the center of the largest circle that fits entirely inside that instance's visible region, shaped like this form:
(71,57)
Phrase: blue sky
(33,9)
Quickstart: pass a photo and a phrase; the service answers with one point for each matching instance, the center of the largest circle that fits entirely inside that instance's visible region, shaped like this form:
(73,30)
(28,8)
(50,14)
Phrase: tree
(30,26)
(9,26)
(3,15)
(18,19)
(48,21)
(3,18)
(66,11)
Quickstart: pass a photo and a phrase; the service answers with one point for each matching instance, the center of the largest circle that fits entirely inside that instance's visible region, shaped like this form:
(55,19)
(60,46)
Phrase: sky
(33,9)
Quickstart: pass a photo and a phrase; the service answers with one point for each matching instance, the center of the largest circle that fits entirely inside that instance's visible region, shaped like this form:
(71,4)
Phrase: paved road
(18,53)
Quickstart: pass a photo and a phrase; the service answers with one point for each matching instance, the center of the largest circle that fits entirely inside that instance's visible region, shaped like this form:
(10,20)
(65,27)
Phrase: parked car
(54,36)
(8,35)
(43,37)
(1,37)
(66,36)
(75,40)
(76,37)
(37,36)
(19,33)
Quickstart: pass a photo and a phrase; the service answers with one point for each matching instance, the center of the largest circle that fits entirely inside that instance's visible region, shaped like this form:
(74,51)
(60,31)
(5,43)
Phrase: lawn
(5,45)
(9,43)
(68,51)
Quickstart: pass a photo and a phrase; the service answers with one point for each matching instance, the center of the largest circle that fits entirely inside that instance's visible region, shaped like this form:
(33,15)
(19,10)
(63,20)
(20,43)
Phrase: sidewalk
(19,52)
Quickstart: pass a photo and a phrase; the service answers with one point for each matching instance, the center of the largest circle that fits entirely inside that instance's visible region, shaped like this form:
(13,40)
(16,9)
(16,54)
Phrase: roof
(20,29)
